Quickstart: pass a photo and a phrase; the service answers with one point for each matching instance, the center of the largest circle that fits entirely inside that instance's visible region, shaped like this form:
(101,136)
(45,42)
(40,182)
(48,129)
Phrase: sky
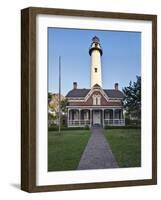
(121,59)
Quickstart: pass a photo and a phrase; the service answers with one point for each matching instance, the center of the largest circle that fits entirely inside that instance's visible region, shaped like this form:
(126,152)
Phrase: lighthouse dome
(95,39)
(95,45)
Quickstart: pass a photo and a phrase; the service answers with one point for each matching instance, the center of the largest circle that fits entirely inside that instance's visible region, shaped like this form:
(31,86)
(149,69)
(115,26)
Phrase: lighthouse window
(95,69)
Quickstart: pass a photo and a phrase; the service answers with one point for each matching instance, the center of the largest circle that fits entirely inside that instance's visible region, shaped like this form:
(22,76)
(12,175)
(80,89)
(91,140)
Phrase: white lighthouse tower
(95,52)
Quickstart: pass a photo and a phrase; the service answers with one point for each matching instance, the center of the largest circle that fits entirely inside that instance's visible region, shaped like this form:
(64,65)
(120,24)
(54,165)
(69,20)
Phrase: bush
(64,128)
(127,121)
(122,127)
(132,122)
(53,127)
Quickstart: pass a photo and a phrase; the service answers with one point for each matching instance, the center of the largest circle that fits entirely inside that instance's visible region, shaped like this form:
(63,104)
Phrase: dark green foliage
(133,122)
(63,128)
(132,99)
(64,104)
(49,96)
(122,127)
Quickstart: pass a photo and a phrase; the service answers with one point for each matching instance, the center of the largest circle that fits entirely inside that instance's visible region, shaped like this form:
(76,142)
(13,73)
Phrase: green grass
(65,150)
(126,146)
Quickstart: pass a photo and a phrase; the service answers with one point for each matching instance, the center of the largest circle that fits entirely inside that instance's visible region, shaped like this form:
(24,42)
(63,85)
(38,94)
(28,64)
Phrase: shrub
(122,127)
(64,128)
(132,122)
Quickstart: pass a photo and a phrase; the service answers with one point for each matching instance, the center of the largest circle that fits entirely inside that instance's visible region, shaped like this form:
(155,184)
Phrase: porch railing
(78,123)
(114,122)
(107,122)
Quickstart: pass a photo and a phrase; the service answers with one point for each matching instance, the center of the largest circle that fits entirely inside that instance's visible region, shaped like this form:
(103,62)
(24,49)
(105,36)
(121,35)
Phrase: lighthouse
(95,105)
(96,52)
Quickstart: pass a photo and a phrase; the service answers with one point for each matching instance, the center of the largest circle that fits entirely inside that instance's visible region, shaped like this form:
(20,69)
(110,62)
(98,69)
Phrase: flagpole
(59,92)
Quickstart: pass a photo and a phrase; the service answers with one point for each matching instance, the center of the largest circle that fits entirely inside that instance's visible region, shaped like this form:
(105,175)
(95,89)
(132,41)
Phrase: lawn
(126,146)
(65,150)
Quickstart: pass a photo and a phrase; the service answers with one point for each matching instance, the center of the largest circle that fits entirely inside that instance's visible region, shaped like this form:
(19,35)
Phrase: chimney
(74,85)
(116,86)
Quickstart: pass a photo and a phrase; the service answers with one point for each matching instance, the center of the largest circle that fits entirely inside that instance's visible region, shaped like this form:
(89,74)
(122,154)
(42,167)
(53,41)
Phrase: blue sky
(121,59)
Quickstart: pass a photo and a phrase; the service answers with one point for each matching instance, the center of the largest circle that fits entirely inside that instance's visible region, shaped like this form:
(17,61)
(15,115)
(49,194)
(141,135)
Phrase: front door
(96,117)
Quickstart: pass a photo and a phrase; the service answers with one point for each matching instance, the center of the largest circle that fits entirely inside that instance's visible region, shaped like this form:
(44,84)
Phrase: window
(95,69)
(96,99)
(99,100)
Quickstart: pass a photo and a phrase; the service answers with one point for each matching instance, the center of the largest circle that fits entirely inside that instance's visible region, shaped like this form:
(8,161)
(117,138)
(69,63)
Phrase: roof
(78,93)
(111,93)
(95,39)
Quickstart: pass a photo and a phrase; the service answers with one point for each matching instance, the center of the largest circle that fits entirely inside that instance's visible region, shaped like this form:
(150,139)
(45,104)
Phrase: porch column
(88,117)
(87,114)
(103,117)
(123,113)
(119,117)
(68,117)
(113,115)
(70,114)
(79,116)
(91,117)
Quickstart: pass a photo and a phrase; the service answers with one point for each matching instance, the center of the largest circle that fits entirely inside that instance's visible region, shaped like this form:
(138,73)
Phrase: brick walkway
(97,154)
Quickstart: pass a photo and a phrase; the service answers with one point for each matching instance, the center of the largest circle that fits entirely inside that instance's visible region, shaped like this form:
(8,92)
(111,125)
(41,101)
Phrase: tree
(132,98)
(53,101)
(49,97)
(64,104)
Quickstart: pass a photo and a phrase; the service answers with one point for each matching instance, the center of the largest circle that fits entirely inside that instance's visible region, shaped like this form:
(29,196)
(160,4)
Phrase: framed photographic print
(88,99)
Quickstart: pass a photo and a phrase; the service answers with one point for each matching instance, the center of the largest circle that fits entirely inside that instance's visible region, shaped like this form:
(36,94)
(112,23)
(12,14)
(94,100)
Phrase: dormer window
(96,99)
(95,69)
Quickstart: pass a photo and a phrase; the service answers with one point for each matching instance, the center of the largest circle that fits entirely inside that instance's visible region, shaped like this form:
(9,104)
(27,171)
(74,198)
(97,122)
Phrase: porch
(89,117)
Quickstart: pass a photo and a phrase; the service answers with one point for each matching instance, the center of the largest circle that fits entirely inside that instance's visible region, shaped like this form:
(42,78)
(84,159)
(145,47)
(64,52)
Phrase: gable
(97,91)
(98,95)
